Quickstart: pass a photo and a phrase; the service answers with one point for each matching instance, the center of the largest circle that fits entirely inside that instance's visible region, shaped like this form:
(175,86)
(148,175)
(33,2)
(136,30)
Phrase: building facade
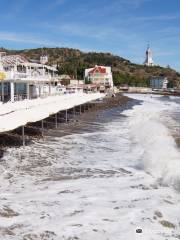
(159,83)
(21,79)
(100,75)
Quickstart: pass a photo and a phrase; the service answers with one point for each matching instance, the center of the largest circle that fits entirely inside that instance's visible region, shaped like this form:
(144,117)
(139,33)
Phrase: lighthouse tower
(149,57)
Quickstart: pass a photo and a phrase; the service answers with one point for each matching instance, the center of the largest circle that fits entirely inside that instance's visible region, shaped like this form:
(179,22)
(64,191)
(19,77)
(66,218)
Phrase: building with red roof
(100,75)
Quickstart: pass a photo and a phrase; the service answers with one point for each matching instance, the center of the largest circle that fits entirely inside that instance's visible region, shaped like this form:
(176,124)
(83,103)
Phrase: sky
(121,27)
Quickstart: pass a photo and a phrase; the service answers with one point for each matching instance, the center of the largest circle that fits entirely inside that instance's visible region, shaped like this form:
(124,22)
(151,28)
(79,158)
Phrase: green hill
(73,62)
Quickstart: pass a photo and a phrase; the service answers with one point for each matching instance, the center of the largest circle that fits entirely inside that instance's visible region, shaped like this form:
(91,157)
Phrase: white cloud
(98,32)
(157,18)
(164,53)
(55,3)
(25,38)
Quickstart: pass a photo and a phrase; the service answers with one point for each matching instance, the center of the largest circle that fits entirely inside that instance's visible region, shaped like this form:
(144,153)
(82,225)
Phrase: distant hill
(73,62)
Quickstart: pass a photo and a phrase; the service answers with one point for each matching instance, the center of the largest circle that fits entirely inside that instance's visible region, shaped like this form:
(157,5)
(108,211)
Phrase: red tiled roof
(98,70)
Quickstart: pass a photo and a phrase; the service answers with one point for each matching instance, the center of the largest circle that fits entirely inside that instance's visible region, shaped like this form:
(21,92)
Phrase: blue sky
(122,27)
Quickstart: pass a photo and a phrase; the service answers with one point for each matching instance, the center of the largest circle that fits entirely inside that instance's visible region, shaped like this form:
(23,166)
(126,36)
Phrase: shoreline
(8,140)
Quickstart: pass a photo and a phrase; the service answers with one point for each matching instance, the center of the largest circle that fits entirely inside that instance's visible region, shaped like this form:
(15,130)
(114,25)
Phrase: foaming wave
(160,155)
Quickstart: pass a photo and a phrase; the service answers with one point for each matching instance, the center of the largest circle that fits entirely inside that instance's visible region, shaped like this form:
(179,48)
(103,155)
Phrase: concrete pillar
(23,137)
(12,91)
(56,120)
(27,91)
(66,116)
(80,110)
(74,112)
(42,128)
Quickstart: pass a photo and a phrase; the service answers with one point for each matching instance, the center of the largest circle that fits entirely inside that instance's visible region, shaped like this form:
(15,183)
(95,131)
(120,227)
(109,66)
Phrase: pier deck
(17,114)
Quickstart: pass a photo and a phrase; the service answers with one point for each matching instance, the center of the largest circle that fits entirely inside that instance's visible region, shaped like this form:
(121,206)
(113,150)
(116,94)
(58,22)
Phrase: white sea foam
(86,186)
(160,157)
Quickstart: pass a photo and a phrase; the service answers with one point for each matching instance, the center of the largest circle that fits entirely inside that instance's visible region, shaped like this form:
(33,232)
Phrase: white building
(44,59)
(100,75)
(149,57)
(159,83)
(21,79)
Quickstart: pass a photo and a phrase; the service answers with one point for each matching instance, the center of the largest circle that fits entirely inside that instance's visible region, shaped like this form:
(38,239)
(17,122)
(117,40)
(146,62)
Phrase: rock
(167,224)
(158,214)
(43,236)
(6,231)
(7,212)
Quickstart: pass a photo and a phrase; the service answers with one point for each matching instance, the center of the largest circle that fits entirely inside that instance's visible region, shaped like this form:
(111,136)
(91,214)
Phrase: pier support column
(66,115)
(74,112)
(80,110)
(56,120)
(42,128)
(23,136)
(27,91)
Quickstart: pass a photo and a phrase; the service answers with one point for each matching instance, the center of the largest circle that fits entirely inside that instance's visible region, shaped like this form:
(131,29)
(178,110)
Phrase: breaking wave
(160,155)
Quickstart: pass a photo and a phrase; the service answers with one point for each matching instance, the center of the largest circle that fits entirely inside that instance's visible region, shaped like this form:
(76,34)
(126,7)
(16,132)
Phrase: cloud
(164,53)
(134,3)
(55,3)
(15,8)
(169,30)
(25,38)
(38,41)
(157,18)
(97,32)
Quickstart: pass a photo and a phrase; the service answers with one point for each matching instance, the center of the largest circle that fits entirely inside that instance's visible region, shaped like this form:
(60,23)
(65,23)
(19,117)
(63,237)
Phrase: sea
(116,178)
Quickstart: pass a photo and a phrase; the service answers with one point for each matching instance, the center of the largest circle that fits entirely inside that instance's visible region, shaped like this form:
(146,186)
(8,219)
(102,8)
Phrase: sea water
(120,180)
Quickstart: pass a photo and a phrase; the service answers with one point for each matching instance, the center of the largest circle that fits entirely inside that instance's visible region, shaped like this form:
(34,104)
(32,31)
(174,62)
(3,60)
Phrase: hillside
(73,62)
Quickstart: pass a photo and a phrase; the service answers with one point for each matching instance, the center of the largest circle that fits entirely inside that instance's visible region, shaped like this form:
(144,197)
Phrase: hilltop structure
(149,57)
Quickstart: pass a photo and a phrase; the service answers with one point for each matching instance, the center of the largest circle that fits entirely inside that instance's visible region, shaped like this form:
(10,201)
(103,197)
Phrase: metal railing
(20,97)
(26,76)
